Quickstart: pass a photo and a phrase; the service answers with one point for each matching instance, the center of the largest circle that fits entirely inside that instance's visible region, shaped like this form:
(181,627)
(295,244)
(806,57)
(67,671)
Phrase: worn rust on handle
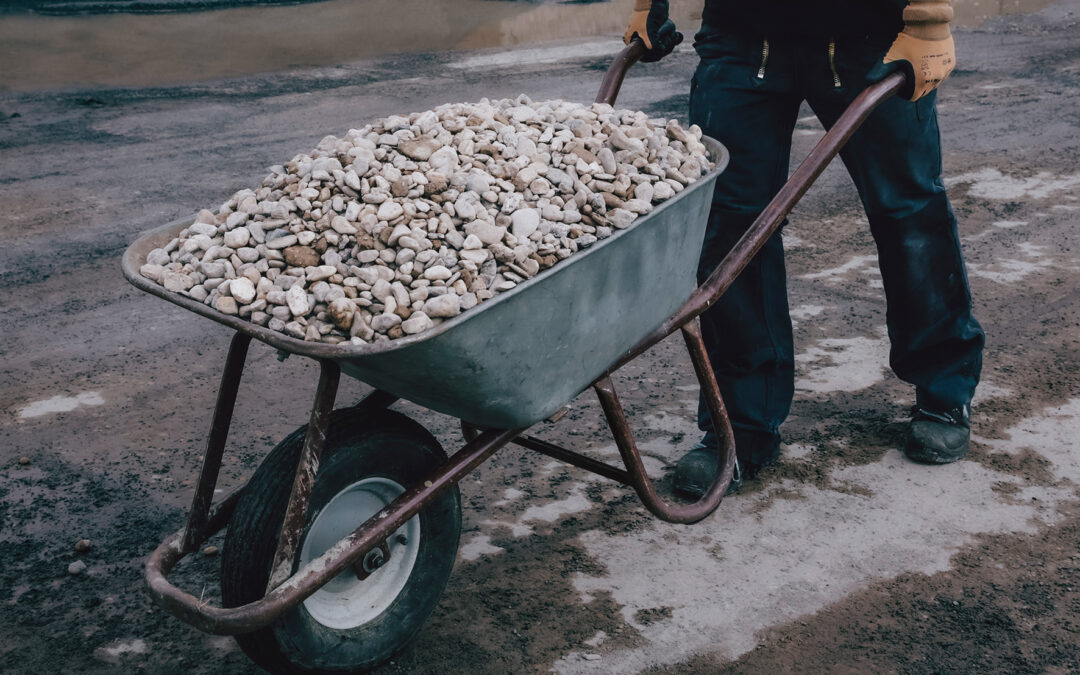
(613,78)
(306,470)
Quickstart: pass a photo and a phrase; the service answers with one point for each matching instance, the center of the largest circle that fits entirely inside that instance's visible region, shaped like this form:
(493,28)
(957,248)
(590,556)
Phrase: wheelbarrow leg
(624,439)
(721,423)
(198,518)
(329,376)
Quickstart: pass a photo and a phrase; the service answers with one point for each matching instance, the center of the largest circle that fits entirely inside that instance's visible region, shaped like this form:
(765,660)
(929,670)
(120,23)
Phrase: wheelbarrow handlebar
(613,78)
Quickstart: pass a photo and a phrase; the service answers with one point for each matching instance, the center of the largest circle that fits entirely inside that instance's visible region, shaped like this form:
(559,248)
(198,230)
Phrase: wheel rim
(347,601)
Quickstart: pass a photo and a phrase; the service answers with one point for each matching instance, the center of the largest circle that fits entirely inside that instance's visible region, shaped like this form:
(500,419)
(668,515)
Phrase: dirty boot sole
(696,471)
(934,442)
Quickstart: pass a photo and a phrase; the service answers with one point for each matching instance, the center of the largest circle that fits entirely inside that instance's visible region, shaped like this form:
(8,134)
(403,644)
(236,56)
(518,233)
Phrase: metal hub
(373,560)
(357,596)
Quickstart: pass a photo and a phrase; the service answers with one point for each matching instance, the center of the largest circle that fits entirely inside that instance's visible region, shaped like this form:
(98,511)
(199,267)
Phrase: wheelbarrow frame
(286,590)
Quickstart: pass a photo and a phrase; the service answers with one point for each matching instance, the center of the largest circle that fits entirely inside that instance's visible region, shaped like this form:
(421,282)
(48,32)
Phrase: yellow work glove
(651,24)
(924,50)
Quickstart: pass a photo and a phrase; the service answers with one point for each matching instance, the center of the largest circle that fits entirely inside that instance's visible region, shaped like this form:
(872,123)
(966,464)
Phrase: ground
(845,557)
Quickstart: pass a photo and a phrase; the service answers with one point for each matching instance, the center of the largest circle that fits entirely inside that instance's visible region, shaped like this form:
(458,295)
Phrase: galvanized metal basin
(518,358)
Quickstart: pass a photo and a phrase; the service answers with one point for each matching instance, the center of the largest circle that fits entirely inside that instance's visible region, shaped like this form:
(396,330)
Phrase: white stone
(352,179)
(226,305)
(620,218)
(384,322)
(342,225)
(662,191)
(284,241)
(237,238)
(257,232)
(243,290)
(202,228)
(607,160)
(639,206)
(466,205)
(437,273)
(475,256)
(525,222)
(158,256)
(235,220)
(176,281)
(417,323)
(443,306)
(153,272)
(352,211)
(381,289)
(444,161)
(485,231)
(478,182)
(319,273)
(297,299)
(409,243)
(389,210)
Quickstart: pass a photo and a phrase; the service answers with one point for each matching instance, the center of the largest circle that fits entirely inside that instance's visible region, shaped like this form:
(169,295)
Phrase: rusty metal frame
(307,468)
(286,591)
(634,474)
(195,532)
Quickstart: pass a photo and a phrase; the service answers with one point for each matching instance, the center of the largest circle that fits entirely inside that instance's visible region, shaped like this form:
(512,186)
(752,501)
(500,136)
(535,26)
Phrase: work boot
(696,471)
(939,437)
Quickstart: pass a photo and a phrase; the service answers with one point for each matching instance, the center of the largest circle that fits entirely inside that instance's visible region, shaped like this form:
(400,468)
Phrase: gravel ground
(843,558)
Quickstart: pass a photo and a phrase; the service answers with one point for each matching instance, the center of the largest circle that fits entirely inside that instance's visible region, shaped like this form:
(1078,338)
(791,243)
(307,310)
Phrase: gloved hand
(650,22)
(924,50)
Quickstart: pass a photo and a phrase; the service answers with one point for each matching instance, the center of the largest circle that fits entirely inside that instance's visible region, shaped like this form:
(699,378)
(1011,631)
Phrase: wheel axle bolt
(373,560)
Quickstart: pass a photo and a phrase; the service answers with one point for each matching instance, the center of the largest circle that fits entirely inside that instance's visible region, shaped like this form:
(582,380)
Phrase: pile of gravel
(414,219)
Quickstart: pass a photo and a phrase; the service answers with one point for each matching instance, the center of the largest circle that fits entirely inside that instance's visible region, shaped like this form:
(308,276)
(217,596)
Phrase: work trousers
(746,93)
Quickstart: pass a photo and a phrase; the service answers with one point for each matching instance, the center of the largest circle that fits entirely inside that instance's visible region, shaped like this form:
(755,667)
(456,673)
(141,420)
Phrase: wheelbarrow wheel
(351,624)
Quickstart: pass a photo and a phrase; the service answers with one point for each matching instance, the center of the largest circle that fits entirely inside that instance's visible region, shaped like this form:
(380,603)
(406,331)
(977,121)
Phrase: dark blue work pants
(747,96)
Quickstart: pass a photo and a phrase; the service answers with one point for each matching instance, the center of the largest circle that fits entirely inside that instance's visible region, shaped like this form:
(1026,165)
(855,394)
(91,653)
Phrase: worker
(759,60)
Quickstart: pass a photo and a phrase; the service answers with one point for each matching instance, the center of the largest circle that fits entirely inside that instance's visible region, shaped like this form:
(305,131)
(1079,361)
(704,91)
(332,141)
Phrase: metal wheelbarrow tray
(519,357)
(334,570)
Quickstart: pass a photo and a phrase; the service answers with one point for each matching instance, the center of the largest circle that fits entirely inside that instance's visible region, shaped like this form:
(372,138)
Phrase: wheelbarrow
(341,543)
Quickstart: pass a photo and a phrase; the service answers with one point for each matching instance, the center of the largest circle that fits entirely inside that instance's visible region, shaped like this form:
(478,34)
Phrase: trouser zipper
(764,59)
(832,63)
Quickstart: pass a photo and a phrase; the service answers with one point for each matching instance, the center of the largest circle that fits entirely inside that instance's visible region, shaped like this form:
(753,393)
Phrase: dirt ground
(843,558)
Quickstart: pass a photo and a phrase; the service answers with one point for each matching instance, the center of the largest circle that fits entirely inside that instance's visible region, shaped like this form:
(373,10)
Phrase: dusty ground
(844,558)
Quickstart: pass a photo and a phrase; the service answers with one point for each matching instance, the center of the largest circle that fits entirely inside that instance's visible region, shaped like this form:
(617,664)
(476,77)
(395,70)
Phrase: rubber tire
(386,444)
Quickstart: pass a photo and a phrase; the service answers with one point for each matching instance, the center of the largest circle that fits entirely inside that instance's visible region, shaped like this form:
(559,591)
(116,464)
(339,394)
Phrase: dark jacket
(806,18)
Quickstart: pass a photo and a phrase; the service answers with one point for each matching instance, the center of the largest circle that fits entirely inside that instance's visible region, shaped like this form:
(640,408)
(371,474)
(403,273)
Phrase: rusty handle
(613,78)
